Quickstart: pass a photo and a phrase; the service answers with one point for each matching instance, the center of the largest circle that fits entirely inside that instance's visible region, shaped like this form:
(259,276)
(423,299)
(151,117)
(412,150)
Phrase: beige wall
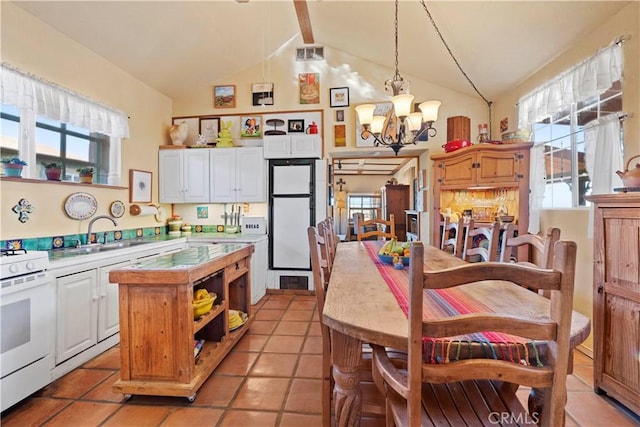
(574,222)
(32,46)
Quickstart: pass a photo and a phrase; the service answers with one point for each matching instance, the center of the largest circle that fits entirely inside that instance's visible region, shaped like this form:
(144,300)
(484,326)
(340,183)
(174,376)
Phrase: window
(567,181)
(70,146)
(367,204)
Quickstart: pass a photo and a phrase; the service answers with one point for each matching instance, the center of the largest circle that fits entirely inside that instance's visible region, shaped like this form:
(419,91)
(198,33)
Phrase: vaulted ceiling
(173,44)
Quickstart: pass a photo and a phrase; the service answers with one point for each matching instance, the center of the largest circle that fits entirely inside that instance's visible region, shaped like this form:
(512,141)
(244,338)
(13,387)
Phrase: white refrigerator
(292,210)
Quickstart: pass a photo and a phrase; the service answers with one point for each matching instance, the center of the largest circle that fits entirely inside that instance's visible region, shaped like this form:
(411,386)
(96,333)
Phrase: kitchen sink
(101,247)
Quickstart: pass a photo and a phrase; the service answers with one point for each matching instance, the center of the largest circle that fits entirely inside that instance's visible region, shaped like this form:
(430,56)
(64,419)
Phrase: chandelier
(400,126)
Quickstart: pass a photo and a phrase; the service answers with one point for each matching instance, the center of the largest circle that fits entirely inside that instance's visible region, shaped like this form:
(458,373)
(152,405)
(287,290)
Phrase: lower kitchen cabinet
(87,308)
(259,267)
(77,316)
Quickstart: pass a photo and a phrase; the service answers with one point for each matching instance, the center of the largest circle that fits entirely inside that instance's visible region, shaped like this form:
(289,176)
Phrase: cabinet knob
(600,289)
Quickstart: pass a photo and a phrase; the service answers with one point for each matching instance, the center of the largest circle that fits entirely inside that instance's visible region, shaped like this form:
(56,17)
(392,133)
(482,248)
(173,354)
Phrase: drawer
(237,269)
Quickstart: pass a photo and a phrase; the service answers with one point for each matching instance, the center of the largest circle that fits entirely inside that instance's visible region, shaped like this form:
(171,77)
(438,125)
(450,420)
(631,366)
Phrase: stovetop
(18,262)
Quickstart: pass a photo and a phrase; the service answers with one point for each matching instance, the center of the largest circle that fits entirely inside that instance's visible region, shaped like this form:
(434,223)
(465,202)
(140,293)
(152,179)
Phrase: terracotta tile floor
(271,378)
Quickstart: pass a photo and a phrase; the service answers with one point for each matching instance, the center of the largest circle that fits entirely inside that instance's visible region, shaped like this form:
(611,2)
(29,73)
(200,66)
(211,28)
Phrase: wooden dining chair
(384,229)
(482,242)
(373,401)
(452,236)
(482,391)
(540,247)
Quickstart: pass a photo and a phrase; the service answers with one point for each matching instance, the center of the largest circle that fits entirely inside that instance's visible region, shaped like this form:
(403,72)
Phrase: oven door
(25,319)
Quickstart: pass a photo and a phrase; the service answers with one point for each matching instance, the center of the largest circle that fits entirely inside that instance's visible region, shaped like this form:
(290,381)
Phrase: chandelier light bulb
(415,121)
(378,124)
(430,110)
(402,104)
(365,113)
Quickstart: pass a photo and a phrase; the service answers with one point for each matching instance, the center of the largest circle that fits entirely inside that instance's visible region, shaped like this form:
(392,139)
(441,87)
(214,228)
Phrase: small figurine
(224,137)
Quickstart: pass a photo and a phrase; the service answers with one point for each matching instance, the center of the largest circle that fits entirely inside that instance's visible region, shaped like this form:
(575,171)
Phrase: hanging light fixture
(408,127)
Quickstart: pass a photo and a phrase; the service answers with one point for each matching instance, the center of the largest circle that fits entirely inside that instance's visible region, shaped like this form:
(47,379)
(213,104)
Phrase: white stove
(26,316)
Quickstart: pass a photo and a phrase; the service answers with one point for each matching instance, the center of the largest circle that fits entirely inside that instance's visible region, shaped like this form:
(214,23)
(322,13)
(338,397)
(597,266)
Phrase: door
(292,210)
(77,315)
(223,175)
(108,313)
(250,175)
(196,176)
(170,169)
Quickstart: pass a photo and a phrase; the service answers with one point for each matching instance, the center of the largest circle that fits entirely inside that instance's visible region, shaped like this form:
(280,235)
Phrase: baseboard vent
(294,282)
(310,53)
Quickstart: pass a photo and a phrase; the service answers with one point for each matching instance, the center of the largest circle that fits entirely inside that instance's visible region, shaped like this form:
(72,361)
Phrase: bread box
(254,225)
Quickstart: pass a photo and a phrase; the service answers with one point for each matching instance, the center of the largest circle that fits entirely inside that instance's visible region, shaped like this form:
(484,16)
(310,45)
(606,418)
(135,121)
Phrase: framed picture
(262,93)
(296,125)
(251,127)
(365,139)
(309,88)
(340,135)
(224,96)
(139,186)
(339,96)
(209,128)
(339,115)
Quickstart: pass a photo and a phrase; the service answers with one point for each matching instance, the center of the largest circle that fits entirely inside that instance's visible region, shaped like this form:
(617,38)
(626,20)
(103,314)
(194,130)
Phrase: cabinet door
(250,175)
(77,316)
(617,301)
(497,167)
(223,175)
(196,175)
(108,314)
(457,171)
(277,146)
(306,146)
(259,267)
(170,176)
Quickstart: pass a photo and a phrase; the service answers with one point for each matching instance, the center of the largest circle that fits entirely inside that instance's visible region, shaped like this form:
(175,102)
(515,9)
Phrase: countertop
(59,258)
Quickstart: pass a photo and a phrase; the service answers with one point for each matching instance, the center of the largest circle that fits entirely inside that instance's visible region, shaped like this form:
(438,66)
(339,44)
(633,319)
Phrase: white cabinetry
(259,267)
(184,175)
(292,146)
(108,313)
(87,314)
(77,318)
(238,175)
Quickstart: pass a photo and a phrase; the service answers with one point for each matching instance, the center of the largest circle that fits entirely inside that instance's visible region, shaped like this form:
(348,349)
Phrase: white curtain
(589,78)
(28,92)
(537,181)
(602,142)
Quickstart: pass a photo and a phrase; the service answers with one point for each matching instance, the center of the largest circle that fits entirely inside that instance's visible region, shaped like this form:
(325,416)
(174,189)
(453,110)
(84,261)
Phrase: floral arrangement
(14,161)
(175,217)
(51,165)
(85,170)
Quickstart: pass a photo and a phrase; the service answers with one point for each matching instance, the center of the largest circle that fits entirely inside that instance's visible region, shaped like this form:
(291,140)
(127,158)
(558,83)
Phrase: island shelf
(157,325)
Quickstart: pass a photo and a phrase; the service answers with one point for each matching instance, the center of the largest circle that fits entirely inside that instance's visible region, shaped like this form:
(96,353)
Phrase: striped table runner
(439,303)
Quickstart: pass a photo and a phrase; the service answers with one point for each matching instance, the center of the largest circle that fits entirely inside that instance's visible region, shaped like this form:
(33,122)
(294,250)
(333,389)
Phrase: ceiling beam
(303,20)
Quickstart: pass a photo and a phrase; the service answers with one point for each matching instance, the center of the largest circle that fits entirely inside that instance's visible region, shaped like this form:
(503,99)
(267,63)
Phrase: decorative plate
(80,206)
(117,209)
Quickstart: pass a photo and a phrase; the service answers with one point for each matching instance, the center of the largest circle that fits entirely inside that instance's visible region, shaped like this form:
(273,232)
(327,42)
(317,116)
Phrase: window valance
(589,78)
(54,102)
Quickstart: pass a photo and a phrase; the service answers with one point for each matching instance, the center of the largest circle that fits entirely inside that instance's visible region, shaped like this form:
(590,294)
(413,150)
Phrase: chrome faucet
(93,221)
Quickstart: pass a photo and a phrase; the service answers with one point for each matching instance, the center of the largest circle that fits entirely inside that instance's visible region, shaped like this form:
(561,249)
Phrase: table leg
(347,355)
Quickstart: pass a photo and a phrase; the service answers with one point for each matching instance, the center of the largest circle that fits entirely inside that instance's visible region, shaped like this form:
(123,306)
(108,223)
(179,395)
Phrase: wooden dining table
(360,307)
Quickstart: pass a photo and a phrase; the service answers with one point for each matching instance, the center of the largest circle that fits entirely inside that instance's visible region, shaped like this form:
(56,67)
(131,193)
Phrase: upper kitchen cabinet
(293,135)
(238,175)
(184,175)
(292,146)
(482,164)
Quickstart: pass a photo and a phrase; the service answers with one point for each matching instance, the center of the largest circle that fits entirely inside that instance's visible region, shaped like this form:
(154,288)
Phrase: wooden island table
(158,331)
(361,307)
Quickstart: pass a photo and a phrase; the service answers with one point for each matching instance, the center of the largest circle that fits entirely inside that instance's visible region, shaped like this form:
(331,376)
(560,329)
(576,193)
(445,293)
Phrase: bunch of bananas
(392,247)
(200,294)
